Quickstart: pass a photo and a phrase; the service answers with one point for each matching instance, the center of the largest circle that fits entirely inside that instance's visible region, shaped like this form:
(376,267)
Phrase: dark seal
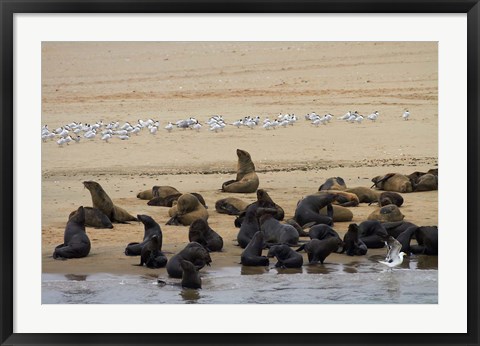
(252,255)
(201,233)
(373,234)
(286,257)
(190,275)
(151,229)
(75,241)
(193,252)
(318,250)
(274,231)
(334,183)
(308,209)
(263,201)
(95,218)
(351,241)
(151,254)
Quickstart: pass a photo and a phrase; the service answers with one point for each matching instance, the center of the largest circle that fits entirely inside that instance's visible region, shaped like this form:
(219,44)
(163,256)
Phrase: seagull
(106,137)
(346,116)
(153,129)
(406,114)
(169,127)
(197,126)
(394,256)
(373,117)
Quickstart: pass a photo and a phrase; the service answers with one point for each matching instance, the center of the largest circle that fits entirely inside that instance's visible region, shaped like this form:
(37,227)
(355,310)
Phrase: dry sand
(122,82)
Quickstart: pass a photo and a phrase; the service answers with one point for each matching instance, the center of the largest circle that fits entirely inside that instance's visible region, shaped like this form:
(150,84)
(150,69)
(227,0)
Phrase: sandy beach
(126,81)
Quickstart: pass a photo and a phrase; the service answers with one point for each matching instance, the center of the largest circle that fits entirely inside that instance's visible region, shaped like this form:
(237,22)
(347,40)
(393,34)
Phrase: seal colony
(262,232)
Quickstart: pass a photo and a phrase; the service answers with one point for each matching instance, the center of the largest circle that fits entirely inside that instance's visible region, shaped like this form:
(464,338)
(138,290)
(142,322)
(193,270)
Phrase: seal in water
(263,201)
(151,254)
(334,183)
(393,182)
(190,275)
(321,232)
(75,240)
(388,213)
(168,201)
(351,241)
(187,210)
(252,255)
(389,197)
(94,218)
(246,180)
(201,233)
(373,234)
(193,252)
(364,194)
(102,202)
(287,258)
(318,250)
(308,209)
(274,231)
(151,229)
(230,206)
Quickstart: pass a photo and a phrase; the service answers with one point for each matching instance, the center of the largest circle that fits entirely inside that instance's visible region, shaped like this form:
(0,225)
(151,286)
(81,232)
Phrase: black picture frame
(10,7)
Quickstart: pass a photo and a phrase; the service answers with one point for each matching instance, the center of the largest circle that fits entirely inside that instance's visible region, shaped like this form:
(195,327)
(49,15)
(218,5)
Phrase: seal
(424,181)
(94,218)
(352,243)
(247,180)
(230,206)
(318,250)
(252,255)
(427,239)
(373,234)
(286,257)
(193,252)
(334,183)
(364,194)
(101,201)
(75,240)
(151,229)
(396,228)
(146,195)
(308,209)
(405,238)
(163,191)
(389,197)
(344,199)
(151,254)
(274,231)
(187,210)
(322,232)
(201,233)
(168,201)
(339,213)
(393,182)
(300,229)
(249,227)
(190,275)
(263,201)
(388,213)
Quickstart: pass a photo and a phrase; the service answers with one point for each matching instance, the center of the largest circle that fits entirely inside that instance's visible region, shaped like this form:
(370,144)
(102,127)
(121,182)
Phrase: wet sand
(122,82)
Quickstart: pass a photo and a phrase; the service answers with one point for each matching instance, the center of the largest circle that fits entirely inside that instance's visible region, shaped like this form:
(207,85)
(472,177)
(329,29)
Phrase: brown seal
(147,194)
(389,197)
(345,199)
(334,183)
(263,201)
(201,233)
(94,218)
(168,201)
(101,201)
(75,240)
(393,182)
(187,210)
(424,181)
(230,206)
(364,194)
(340,214)
(246,180)
(388,213)
(164,191)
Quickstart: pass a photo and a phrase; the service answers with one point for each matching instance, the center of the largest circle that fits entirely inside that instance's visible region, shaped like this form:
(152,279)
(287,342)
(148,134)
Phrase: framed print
(186,173)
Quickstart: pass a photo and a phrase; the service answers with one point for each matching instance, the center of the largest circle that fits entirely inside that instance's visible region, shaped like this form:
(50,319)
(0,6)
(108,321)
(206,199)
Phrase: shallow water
(415,282)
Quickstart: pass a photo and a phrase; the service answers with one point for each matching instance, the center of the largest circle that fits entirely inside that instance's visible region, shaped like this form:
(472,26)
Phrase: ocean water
(415,282)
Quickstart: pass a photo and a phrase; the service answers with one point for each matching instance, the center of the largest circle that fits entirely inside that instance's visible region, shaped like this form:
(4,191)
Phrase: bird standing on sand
(406,114)
(169,127)
(394,256)
(373,117)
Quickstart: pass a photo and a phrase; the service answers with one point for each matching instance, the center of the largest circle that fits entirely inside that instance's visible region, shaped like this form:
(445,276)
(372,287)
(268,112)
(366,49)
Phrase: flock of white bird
(75,132)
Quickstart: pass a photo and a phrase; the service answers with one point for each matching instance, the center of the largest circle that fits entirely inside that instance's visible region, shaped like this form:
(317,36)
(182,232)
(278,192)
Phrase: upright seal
(75,240)
(247,180)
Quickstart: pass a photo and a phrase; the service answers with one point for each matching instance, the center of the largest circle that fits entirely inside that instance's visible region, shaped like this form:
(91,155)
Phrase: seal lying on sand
(318,250)
(157,191)
(193,252)
(190,275)
(75,240)
(338,213)
(344,199)
(252,255)
(201,233)
(102,202)
(424,181)
(187,210)
(274,231)
(246,180)
(168,201)
(230,206)
(94,218)
(309,207)
(364,194)
(393,182)
(287,258)
(389,197)
(334,183)
(351,241)
(388,213)
(263,201)
(151,254)
(151,229)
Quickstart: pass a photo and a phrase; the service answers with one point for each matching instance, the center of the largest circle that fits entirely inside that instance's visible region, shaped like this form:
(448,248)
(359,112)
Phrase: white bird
(406,114)
(238,123)
(90,135)
(359,119)
(169,127)
(63,133)
(328,117)
(123,137)
(153,130)
(61,142)
(135,130)
(215,127)
(352,118)
(121,132)
(267,125)
(77,139)
(346,116)
(373,117)
(197,126)
(106,137)
(394,256)
(68,139)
